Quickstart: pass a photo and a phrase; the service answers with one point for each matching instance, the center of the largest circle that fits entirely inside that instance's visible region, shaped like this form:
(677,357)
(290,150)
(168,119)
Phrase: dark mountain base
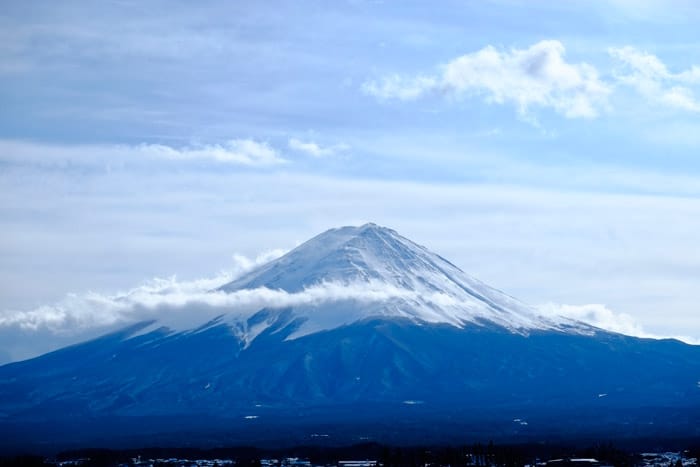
(388,381)
(407,425)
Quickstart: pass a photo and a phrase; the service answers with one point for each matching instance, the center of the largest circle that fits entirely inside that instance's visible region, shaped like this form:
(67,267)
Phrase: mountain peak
(343,254)
(341,235)
(369,226)
(372,259)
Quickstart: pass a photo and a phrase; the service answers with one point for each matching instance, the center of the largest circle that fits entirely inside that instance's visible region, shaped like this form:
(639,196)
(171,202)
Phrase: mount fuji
(378,338)
(373,272)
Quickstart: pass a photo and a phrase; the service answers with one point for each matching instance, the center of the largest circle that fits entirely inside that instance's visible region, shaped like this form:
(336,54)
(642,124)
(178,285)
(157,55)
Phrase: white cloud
(163,298)
(596,315)
(314,149)
(401,88)
(91,309)
(194,302)
(244,264)
(651,78)
(601,316)
(538,76)
(245,152)
(236,151)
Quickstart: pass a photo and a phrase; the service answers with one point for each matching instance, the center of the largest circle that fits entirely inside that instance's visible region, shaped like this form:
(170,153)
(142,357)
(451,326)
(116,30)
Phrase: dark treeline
(477,455)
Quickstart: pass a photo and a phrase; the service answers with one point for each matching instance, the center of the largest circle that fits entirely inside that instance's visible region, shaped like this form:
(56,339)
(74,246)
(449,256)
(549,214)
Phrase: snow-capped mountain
(372,271)
(376,337)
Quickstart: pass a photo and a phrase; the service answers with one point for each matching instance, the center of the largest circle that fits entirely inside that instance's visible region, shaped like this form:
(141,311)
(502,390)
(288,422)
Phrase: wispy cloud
(168,300)
(236,151)
(651,78)
(536,77)
(161,298)
(314,149)
(93,309)
(603,317)
(404,88)
(539,76)
(242,152)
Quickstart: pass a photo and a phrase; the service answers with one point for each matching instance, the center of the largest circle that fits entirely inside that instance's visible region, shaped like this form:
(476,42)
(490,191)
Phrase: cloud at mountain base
(603,317)
(165,299)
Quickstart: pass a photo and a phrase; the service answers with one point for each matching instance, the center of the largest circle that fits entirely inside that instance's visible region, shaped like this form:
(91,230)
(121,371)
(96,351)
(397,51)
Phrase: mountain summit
(377,338)
(413,282)
(364,253)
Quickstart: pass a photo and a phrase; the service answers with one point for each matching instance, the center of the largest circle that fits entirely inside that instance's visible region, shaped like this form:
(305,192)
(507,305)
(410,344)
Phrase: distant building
(365,463)
(573,462)
(295,461)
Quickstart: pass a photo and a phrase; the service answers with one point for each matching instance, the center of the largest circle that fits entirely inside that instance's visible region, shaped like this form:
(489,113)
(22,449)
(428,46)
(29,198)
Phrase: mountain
(376,338)
(422,286)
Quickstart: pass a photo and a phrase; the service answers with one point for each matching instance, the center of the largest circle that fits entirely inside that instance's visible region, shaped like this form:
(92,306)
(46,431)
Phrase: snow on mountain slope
(415,283)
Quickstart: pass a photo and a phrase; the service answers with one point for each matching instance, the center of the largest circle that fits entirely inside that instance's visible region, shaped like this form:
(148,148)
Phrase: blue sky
(550,150)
